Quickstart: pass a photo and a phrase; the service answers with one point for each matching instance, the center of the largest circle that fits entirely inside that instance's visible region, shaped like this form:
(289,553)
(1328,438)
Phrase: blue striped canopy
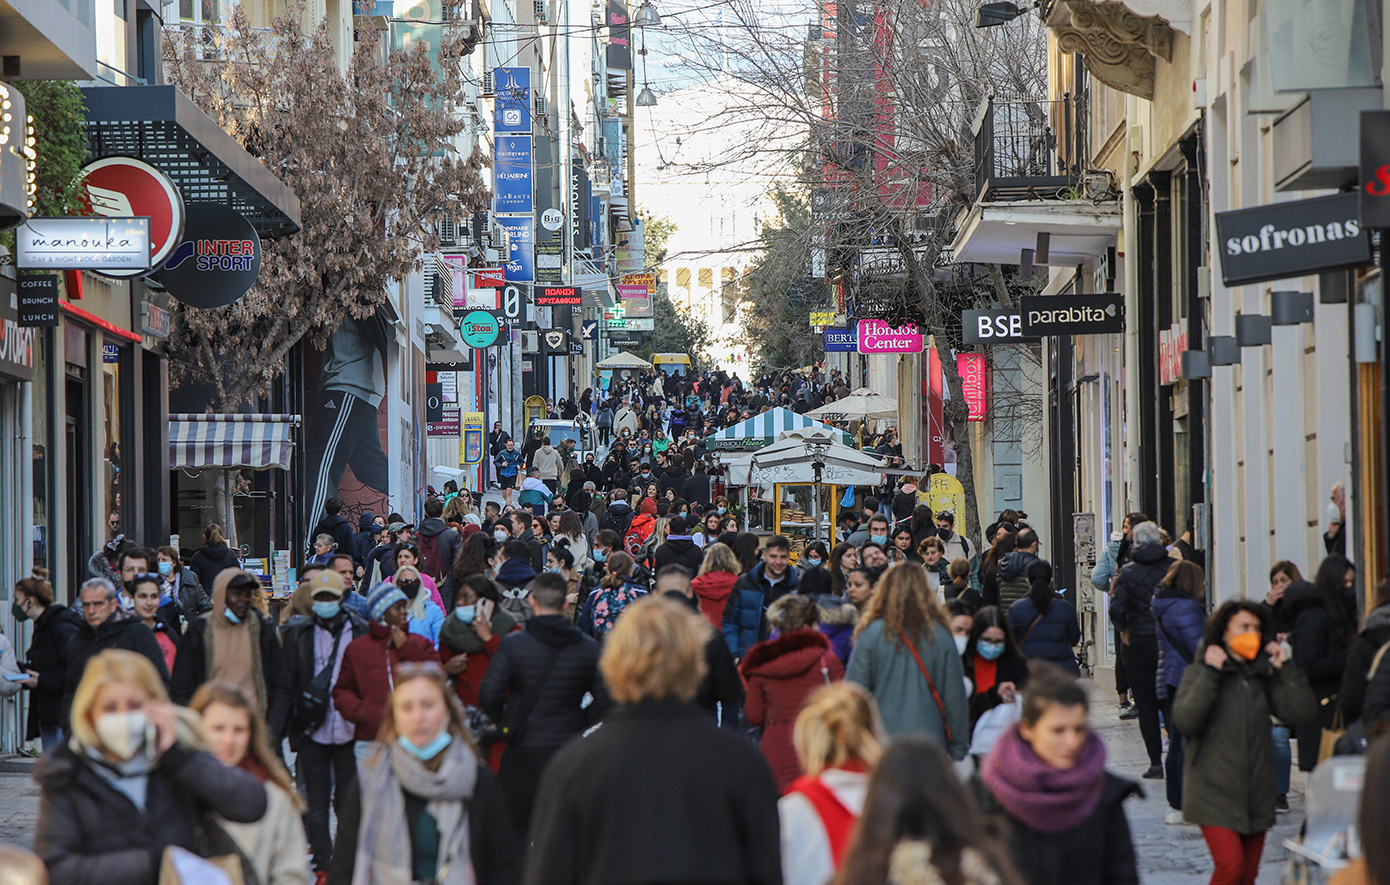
(254,441)
(763,430)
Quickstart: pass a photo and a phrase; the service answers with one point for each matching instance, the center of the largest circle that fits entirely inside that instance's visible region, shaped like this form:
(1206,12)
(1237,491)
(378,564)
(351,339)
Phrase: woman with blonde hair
(905,656)
(701,809)
(837,740)
(133,780)
(275,845)
(426,807)
(718,575)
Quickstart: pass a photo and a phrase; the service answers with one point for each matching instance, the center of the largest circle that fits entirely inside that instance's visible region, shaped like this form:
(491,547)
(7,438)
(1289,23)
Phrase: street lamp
(647,16)
(993,14)
(646,98)
(816,450)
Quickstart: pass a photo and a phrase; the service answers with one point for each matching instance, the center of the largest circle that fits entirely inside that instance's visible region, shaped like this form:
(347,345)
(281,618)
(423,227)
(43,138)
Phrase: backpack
(637,533)
(611,602)
(431,560)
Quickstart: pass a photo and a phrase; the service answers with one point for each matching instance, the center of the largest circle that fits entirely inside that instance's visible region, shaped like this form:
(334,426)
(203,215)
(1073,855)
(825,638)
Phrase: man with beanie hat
(364,682)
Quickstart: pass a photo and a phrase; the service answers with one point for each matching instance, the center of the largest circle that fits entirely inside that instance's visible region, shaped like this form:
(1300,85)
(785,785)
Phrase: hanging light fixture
(647,16)
(646,98)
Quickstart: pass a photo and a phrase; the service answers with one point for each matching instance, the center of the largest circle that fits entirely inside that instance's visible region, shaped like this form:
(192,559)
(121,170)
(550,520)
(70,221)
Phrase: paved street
(1167,855)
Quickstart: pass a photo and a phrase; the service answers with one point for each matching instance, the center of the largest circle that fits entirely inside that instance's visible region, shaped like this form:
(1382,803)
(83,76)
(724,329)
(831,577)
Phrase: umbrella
(861,405)
(624,360)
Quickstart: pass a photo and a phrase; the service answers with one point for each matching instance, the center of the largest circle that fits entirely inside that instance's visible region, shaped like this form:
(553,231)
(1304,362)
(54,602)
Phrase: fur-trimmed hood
(838,615)
(787,656)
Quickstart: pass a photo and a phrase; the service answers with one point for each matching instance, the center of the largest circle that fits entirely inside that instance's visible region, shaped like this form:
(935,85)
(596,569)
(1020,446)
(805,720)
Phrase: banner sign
(521,260)
(511,179)
(645,279)
(974,380)
(556,296)
(550,255)
(838,340)
(1073,314)
(38,299)
(99,244)
(619,54)
(1286,240)
(876,336)
(992,326)
(511,108)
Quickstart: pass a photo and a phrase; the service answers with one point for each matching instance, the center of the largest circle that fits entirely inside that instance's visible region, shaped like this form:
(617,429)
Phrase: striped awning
(763,430)
(254,441)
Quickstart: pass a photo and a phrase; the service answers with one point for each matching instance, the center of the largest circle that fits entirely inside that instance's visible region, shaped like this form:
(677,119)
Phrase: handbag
(1327,748)
(311,707)
(931,684)
(1026,633)
(517,708)
(179,866)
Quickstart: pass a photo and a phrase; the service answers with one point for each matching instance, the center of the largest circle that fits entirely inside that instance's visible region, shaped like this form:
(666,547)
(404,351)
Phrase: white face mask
(123,734)
(960,643)
(500,536)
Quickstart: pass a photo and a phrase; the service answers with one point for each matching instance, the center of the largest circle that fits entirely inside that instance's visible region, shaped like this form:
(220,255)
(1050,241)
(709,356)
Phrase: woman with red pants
(1238,679)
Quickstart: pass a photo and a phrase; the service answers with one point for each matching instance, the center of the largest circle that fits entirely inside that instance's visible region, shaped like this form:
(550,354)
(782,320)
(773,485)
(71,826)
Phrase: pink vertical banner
(933,417)
(974,381)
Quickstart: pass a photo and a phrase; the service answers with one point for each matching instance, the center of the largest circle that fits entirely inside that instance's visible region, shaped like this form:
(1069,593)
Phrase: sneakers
(1173,818)
(1128,712)
(1281,803)
(1155,773)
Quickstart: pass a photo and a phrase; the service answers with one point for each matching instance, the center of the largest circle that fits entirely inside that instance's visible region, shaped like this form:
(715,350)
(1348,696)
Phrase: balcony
(1025,148)
(50,40)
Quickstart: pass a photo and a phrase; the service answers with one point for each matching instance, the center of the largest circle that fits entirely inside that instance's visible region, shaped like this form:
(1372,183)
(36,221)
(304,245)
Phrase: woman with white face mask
(132,781)
(425,808)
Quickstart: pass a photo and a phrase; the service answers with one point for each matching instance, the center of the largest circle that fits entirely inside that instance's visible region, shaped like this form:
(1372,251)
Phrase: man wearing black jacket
(552,666)
(721,692)
(335,525)
(679,548)
(103,628)
(618,516)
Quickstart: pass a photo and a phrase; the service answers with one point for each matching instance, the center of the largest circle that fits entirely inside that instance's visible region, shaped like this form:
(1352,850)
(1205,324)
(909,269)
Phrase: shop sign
(155,321)
(1172,344)
(123,187)
(1375,169)
(552,219)
(550,258)
(449,423)
(217,263)
(619,53)
(111,246)
(974,381)
(511,177)
(38,299)
(838,340)
(521,239)
(511,107)
(645,279)
(641,324)
(992,326)
(557,341)
(1071,315)
(826,318)
(557,296)
(480,328)
(1285,240)
(624,342)
(110,353)
(637,301)
(17,344)
(876,336)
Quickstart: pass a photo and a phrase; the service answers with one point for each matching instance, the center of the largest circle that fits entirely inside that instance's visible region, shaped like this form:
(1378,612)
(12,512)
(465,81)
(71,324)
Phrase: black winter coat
(191,664)
(616,518)
(658,794)
(696,488)
(1132,606)
(340,529)
(679,551)
(1317,649)
(88,833)
(298,655)
(1053,638)
(672,478)
(117,632)
(1099,851)
(520,660)
(210,561)
(492,843)
(52,631)
(1374,634)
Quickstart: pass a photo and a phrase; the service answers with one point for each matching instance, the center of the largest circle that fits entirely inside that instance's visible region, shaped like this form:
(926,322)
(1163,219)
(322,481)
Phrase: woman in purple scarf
(1048,777)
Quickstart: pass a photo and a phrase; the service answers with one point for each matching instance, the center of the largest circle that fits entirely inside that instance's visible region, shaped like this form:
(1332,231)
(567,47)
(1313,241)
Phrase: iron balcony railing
(1027,148)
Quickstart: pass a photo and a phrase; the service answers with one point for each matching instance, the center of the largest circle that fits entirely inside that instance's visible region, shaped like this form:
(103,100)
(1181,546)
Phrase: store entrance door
(77,445)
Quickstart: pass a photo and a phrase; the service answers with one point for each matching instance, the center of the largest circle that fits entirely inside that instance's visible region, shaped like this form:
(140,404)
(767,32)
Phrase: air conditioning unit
(487,84)
(542,12)
(530,341)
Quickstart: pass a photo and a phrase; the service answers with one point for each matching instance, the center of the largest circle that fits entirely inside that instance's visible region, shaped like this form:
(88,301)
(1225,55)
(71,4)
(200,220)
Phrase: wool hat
(649,506)
(382,597)
(326,581)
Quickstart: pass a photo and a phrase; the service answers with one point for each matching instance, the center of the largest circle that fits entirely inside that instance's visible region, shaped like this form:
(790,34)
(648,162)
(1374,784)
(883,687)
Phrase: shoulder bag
(517,708)
(931,684)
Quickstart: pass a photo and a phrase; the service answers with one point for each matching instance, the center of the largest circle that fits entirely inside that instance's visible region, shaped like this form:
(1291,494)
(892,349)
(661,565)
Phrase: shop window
(111,476)
(39,429)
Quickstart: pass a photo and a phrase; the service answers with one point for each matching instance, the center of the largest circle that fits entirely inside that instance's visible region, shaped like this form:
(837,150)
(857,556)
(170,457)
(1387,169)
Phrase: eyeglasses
(419,668)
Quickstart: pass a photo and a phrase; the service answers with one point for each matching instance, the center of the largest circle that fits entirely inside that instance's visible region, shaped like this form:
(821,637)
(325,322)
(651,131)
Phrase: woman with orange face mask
(1238,679)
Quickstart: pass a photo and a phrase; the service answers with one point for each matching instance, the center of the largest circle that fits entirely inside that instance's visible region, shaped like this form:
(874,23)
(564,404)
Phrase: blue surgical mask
(553,569)
(990,651)
(428,751)
(812,561)
(465,613)
(600,555)
(721,510)
(327,611)
(879,539)
(231,617)
(166,568)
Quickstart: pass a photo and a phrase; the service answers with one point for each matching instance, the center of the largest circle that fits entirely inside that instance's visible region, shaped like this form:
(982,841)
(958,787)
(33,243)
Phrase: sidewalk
(1176,855)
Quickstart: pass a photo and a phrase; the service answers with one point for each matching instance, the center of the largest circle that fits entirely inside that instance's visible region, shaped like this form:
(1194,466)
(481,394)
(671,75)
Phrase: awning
(786,461)
(163,127)
(997,233)
(763,430)
(254,441)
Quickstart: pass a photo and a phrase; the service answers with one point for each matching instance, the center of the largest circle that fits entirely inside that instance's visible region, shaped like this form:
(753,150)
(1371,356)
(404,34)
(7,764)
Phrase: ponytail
(839,724)
(1039,575)
(619,570)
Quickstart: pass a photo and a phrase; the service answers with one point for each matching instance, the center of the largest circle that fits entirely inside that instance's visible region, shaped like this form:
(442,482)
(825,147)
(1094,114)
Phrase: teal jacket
(885,666)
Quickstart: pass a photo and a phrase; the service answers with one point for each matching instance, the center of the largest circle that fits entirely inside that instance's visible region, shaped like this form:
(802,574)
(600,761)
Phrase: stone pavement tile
(19,808)
(1176,855)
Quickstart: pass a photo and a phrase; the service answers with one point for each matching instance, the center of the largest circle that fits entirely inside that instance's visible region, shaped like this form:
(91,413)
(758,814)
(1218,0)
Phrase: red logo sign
(553,296)
(124,187)
(974,383)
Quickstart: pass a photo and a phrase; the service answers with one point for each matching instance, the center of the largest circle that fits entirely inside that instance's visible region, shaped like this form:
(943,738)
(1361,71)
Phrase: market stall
(761,431)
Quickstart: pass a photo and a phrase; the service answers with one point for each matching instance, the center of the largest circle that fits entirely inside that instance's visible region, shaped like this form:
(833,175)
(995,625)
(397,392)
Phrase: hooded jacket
(1053,638)
(191,668)
(617,518)
(744,623)
(340,529)
(547,460)
(712,590)
(449,543)
(778,675)
(1316,647)
(678,550)
(672,477)
(1374,634)
(1012,578)
(210,560)
(837,622)
(1132,606)
(117,631)
(1183,620)
(364,682)
(53,630)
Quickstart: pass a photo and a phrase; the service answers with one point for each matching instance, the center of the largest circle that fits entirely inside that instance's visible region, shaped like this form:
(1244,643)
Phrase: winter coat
(678,551)
(723,829)
(1098,851)
(617,518)
(1013,577)
(1131,608)
(745,615)
(1374,634)
(364,681)
(625,419)
(1054,637)
(1223,716)
(778,675)
(604,419)
(492,841)
(1317,649)
(274,844)
(1182,619)
(191,671)
(88,833)
(1007,668)
(672,477)
(298,656)
(449,544)
(341,531)
(696,488)
(837,622)
(547,460)
(556,714)
(211,560)
(712,589)
(52,631)
(116,632)
(1107,564)
(886,667)
(192,599)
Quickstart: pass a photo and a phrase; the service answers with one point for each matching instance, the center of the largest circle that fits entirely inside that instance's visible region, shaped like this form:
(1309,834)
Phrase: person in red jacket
(365,679)
(467,642)
(780,673)
(718,575)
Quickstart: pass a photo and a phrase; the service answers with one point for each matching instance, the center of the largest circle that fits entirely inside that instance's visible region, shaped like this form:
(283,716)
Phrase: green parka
(1228,757)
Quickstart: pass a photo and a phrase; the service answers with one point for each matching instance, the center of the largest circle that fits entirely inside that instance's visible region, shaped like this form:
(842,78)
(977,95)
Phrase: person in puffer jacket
(1044,622)
(744,623)
(1179,621)
(837,622)
(1131,610)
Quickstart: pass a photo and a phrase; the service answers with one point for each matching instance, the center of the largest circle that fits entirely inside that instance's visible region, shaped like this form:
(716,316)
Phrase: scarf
(233,652)
(461,638)
(383,857)
(130,778)
(1049,800)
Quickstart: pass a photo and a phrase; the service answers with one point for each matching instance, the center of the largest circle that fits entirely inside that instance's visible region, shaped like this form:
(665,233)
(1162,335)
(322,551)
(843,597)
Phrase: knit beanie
(383,596)
(649,506)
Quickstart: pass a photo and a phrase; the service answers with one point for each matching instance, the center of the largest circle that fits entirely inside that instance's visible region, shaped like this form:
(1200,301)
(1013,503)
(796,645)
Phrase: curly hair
(903,603)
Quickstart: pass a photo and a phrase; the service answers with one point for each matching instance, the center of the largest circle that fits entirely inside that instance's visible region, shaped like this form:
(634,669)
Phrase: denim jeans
(49,737)
(327,772)
(1283,759)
